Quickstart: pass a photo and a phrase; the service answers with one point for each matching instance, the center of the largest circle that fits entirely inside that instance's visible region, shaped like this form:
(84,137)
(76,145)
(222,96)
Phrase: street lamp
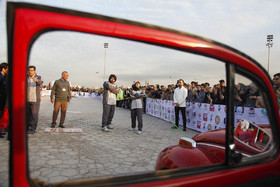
(269,45)
(105,46)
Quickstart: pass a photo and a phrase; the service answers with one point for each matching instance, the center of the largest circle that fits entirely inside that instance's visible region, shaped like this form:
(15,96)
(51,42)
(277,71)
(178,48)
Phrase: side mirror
(253,135)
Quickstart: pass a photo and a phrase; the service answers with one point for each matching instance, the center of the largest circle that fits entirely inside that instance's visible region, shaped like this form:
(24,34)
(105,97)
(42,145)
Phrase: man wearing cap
(109,102)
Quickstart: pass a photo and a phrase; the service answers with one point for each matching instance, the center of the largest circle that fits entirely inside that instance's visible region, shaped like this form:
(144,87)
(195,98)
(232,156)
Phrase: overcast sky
(241,24)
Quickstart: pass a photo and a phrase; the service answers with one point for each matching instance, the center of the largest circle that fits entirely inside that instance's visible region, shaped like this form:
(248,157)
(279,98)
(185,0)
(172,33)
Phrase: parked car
(219,155)
(209,147)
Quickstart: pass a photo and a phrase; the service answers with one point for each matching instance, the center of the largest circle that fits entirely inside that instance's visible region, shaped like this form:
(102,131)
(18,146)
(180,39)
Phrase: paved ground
(93,153)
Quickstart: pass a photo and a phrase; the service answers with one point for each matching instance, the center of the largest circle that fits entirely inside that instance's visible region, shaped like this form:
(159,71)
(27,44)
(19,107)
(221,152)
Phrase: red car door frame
(25,22)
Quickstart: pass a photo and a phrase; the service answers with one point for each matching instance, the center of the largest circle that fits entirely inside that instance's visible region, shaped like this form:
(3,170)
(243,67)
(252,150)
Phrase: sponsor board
(205,117)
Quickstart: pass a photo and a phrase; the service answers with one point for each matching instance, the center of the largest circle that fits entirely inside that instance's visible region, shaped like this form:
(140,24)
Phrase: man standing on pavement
(109,102)
(60,95)
(136,97)
(33,99)
(180,95)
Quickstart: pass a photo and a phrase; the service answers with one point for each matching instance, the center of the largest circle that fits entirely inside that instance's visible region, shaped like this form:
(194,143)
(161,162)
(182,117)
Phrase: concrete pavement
(93,153)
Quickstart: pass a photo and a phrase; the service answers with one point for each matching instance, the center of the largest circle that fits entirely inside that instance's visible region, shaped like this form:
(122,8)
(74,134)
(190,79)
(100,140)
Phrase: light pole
(105,46)
(269,44)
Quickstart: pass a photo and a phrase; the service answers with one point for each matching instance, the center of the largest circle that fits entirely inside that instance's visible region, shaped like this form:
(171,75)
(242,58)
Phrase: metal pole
(105,46)
(268,60)
(269,45)
(104,65)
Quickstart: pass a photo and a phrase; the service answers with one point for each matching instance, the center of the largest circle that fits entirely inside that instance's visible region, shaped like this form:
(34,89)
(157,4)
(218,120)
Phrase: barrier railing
(203,117)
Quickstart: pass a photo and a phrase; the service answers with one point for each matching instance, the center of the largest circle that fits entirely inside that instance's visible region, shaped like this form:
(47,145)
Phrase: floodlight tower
(269,44)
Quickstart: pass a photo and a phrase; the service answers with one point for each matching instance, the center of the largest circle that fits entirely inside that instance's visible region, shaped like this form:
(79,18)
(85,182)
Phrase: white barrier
(46,93)
(201,116)
(74,94)
(85,95)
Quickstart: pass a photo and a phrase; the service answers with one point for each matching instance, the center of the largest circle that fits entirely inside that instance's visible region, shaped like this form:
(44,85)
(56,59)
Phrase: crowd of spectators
(244,95)
(83,89)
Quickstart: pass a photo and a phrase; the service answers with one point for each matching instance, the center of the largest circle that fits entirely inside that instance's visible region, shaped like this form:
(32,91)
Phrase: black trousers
(120,103)
(137,112)
(32,114)
(183,111)
(108,114)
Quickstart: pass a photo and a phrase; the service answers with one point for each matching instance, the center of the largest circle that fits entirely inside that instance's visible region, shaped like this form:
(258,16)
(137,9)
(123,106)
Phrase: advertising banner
(203,117)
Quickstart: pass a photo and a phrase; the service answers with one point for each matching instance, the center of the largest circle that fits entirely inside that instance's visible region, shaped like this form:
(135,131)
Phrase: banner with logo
(201,116)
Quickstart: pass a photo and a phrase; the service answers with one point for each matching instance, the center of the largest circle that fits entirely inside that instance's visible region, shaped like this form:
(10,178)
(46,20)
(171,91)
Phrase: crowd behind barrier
(205,109)
(200,116)
(245,95)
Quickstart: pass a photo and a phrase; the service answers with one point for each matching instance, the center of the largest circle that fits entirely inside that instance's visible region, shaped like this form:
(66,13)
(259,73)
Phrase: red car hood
(215,136)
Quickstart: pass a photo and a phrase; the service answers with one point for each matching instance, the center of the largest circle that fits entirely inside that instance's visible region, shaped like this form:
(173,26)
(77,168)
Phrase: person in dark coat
(3,89)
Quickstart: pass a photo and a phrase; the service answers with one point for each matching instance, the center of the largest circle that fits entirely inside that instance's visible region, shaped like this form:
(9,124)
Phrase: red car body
(26,22)
(210,149)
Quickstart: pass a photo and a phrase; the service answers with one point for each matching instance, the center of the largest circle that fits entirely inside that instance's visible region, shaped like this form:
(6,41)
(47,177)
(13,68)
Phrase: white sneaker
(105,129)
(110,126)
(139,132)
(132,129)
